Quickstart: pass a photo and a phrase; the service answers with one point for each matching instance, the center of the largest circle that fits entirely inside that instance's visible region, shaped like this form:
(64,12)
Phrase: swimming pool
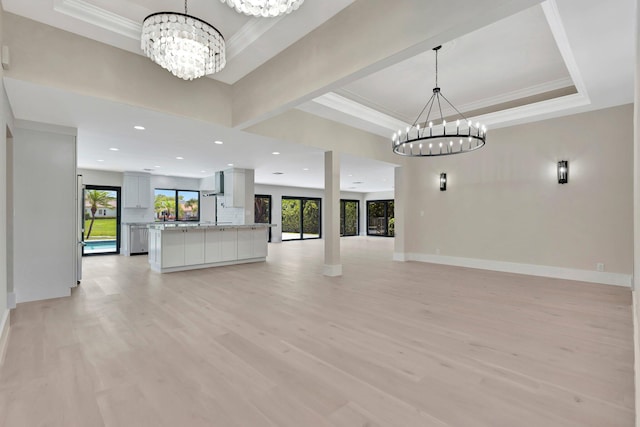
(99,246)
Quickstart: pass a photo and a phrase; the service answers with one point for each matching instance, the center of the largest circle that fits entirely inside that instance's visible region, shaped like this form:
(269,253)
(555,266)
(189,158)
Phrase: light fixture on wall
(563,171)
(264,8)
(424,138)
(186,46)
(443,181)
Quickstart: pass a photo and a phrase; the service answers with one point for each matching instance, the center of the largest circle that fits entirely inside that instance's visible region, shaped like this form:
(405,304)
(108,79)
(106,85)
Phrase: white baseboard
(11,300)
(636,346)
(400,256)
(332,270)
(4,334)
(615,279)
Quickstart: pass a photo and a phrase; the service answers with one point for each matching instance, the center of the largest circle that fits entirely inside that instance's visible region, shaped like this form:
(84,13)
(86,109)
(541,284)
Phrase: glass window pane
(188,205)
(165,205)
(350,218)
(291,227)
(262,209)
(376,222)
(311,219)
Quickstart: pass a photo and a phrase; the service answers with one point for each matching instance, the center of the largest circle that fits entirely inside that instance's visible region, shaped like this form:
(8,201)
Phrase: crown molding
(353,108)
(248,34)
(102,18)
(554,20)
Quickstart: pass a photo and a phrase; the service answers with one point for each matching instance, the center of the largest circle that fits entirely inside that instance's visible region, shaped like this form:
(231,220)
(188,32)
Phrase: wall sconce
(563,171)
(443,181)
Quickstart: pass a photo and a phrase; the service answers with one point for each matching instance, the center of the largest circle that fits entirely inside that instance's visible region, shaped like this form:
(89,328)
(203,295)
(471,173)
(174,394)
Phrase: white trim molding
(102,18)
(4,334)
(605,278)
(332,270)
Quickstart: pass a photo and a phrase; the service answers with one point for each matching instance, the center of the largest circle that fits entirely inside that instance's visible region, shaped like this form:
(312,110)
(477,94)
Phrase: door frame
(302,200)
(118,191)
(264,196)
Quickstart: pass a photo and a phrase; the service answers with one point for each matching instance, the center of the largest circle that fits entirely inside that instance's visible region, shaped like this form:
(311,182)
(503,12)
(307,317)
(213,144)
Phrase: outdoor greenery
(349,217)
(291,216)
(381,218)
(103,229)
(165,206)
(261,209)
(97,199)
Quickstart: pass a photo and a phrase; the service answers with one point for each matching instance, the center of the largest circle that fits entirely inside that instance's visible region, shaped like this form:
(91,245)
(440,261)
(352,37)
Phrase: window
(300,218)
(380,219)
(349,217)
(262,211)
(186,201)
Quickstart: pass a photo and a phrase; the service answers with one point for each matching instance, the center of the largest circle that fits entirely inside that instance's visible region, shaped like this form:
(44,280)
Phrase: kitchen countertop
(201,225)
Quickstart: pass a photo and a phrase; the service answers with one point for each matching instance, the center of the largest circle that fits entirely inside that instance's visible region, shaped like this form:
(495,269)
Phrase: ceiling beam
(364,38)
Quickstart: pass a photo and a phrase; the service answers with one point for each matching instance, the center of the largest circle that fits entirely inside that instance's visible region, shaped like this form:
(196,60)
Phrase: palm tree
(97,199)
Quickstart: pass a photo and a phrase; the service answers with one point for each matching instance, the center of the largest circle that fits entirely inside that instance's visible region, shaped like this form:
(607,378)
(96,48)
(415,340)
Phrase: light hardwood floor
(278,344)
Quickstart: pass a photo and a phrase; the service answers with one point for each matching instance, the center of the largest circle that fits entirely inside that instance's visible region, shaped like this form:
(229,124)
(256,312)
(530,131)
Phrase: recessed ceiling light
(114,149)
(278,173)
(230,164)
(275,153)
(156,166)
(138,127)
(101,160)
(147,170)
(179,158)
(350,175)
(358,182)
(305,169)
(203,171)
(218,142)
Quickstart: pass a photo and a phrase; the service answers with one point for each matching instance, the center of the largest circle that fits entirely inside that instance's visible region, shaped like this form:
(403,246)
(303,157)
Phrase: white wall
(503,203)
(6,203)
(277,192)
(45,211)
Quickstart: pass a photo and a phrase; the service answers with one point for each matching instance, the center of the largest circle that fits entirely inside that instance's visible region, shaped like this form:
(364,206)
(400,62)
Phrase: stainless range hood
(212,185)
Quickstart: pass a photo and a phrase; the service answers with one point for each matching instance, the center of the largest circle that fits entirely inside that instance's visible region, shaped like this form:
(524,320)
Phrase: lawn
(103,228)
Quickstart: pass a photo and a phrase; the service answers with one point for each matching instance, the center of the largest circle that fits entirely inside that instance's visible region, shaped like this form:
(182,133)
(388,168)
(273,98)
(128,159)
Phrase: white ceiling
(104,124)
(588,44)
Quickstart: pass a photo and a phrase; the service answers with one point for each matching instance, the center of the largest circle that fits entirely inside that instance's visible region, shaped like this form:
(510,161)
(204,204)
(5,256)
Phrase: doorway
(101,220)
(301,218)
(262,211)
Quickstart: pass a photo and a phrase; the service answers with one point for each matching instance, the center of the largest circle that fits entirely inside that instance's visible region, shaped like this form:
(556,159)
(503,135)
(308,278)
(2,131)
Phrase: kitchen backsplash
(232,215)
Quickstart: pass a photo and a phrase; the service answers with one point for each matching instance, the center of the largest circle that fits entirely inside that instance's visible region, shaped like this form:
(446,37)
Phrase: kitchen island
(189,246)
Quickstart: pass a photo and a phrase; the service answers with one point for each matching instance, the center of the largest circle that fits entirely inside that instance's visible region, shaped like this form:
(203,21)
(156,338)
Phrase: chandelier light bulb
(264,8)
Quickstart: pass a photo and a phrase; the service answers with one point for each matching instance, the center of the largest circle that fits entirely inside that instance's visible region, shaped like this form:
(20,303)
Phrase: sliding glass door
(349,217)
(301,218)
(380,219)
(101,211)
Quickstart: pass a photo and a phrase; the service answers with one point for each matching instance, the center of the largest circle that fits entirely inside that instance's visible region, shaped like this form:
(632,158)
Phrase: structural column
(332,263)
(636,161)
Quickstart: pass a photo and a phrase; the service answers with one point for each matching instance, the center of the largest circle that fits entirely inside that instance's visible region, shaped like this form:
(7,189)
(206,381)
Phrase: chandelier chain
(185,7)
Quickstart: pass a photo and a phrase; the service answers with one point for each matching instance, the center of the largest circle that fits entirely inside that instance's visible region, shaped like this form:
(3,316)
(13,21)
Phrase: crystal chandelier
(184,45)
(264,8)
(425,138)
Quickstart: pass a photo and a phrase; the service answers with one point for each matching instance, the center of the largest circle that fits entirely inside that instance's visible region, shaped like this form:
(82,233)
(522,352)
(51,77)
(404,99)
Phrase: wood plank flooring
(277,344)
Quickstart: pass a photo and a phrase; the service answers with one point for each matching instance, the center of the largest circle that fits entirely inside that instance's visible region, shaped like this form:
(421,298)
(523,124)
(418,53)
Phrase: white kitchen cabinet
(137,190)
(252,242)
(228,244)
(234,188)
(172,249)
(245,243)
(193,247)
(260,241)
(182,247)
(176,248)
(212,246)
